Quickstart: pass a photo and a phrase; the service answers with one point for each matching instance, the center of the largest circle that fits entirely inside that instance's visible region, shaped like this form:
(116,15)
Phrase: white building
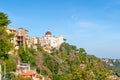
(23,67)
(49,41)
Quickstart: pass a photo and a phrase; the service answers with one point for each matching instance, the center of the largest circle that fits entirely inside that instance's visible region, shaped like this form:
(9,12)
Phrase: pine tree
(5,44)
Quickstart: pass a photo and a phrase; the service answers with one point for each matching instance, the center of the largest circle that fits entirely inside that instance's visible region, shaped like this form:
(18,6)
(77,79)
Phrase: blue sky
(90,24)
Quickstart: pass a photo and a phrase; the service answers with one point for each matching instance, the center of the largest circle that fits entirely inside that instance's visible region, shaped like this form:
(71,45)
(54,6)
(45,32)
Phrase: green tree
(27,55)
(5,44)
(4,19)
(11,60)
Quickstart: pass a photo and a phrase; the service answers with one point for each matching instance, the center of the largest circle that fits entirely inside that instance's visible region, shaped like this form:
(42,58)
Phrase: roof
(23,29)
(29,73)
(48,33)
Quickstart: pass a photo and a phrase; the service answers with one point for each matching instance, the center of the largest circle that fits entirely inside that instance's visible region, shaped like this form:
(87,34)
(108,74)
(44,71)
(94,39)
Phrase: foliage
(11,60)
(5,45)
(51,63)
(66,63)
(70,63)
(114,65)
(21,78)
(4,19)
(10,75)
(27,55)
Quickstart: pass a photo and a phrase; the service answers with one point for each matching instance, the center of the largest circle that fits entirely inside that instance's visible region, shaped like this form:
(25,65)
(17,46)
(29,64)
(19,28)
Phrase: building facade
(49,41)
(14,32)
(22,37)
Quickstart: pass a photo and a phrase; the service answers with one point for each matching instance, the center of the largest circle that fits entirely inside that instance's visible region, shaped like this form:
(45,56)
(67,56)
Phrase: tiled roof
(29,73)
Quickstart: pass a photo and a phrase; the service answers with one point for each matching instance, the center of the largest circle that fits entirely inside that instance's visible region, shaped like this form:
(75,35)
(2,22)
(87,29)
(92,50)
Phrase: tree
(11,60)
(4,19)
(21,78)
(27,55)
(5,44)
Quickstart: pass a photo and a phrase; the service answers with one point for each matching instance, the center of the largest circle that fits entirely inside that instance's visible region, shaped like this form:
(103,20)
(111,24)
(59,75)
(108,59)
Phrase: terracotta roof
(29,73)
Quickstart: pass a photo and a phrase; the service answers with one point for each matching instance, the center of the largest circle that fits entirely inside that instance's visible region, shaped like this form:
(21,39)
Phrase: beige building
(12,40)
(33,43)
(22,37)
(12,31)
(49,41)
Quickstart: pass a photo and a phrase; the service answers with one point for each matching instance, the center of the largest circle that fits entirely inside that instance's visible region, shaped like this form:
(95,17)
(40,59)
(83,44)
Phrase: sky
(90,24)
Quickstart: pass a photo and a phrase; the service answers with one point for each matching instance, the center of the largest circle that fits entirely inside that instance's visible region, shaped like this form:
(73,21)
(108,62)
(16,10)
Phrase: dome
(48,33)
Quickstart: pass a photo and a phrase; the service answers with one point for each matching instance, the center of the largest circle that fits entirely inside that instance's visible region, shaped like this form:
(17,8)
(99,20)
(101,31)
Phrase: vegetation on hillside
(27,55)
(113,64)
(5,44)
(70,63)
(66,63)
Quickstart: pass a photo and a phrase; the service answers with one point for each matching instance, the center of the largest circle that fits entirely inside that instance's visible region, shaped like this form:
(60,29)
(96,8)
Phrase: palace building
(49,41)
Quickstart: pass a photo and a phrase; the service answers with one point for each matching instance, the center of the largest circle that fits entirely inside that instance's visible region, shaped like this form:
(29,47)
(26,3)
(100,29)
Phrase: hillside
(113,64)
(67,63)
(70,63)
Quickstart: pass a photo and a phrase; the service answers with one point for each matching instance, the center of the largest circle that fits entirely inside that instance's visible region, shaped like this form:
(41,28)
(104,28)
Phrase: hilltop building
(20,37)
(12,40)
(33,42)
(12,31)
(49,41)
